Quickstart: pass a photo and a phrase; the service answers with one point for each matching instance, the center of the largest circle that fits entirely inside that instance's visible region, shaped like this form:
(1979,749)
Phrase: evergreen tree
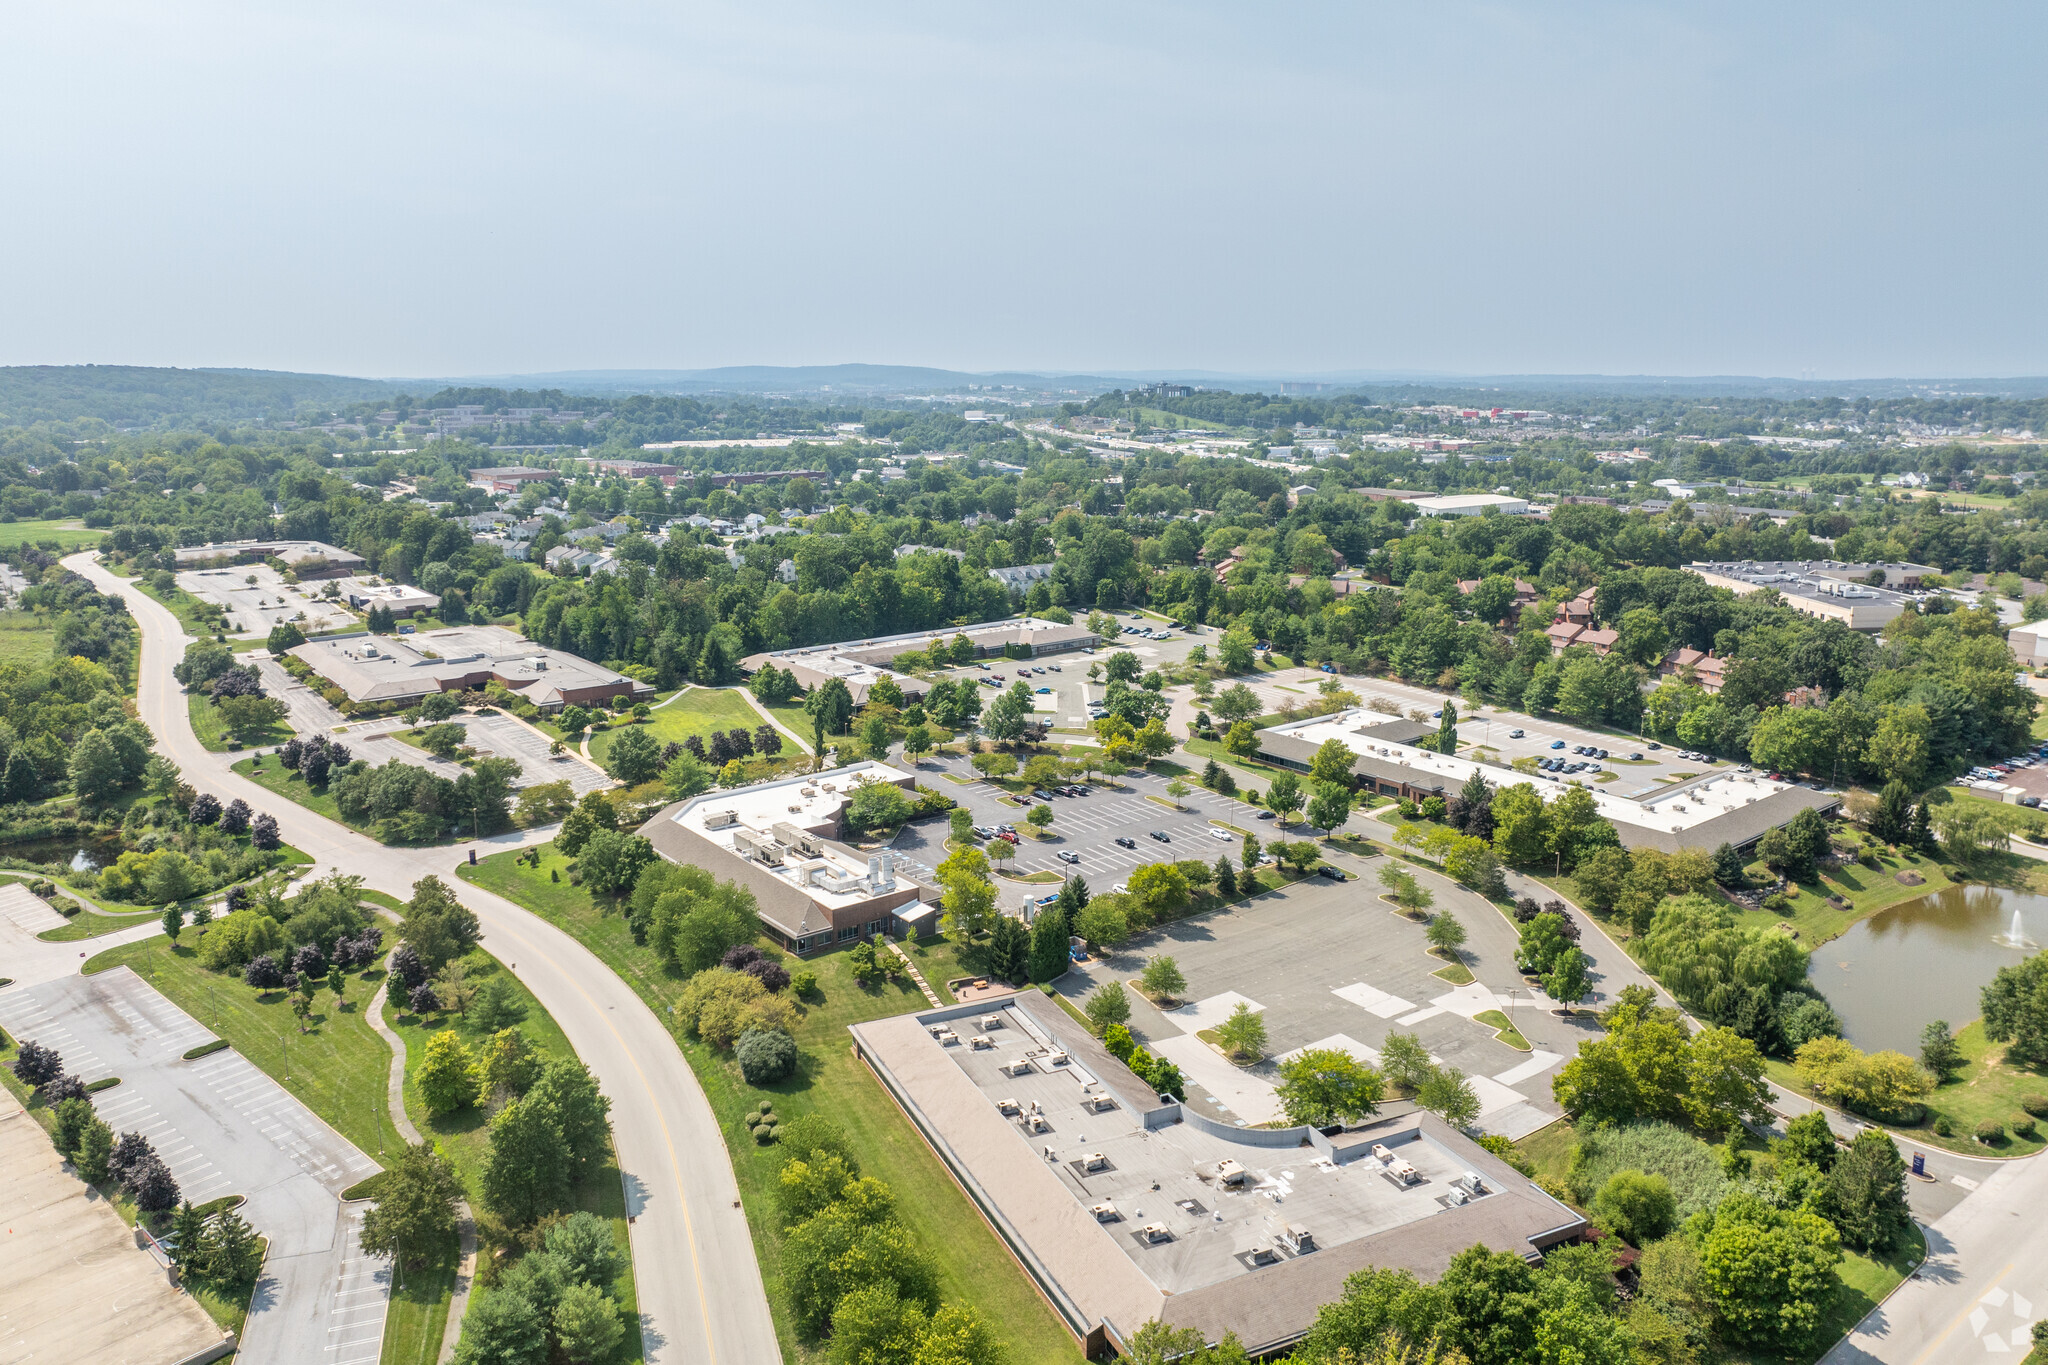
(1893,817)
(231,1254)
(1009,950)
(1226,878)
(1049,952)
(1868,1185)
(1939,1051)
(1728,866)
(1919,831)
(188,1239)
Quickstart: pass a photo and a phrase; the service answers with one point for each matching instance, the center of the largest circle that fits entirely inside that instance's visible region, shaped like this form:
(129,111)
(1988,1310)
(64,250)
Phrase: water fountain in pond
(2015,935)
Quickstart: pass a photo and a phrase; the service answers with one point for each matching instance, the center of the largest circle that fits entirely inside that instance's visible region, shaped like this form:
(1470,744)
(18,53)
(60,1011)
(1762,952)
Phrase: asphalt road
(701,1297)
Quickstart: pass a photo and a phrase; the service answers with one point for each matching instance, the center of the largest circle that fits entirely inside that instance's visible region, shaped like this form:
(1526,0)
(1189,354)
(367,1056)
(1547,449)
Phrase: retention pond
(1889,975)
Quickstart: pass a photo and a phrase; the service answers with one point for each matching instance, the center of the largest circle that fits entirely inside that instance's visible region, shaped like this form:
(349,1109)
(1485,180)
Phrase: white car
(1221,835)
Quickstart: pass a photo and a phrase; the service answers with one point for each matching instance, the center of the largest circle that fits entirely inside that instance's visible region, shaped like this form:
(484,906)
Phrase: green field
(337,1066)
(91,924)
(1988,1087)
(694,711)
(65,531)
(207,727)
(25,637)
(973,1264)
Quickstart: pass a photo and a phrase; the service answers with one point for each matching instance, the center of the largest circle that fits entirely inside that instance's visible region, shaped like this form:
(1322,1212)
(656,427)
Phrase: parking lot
(492,737)
(1090,825)
(1332,966)
(224,1127)
(254,608)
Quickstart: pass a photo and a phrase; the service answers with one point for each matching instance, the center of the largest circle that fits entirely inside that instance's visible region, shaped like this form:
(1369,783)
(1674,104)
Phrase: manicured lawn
(90,924)
(418,1316)
(64,530)
(25,637)
(337,1067)
(463,1137)
(198,618)
(694,711)
(207,726)
(973,1264)
(1988,1087)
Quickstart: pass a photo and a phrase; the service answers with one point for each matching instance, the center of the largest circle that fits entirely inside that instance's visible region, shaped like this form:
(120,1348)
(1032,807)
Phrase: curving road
(701,1297)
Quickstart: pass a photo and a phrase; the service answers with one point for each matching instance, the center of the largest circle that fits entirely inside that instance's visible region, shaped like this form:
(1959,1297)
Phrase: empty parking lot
(224,1127)
(1331,965)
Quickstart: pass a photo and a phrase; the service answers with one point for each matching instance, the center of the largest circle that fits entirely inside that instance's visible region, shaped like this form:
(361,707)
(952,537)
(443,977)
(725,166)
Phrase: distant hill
(141,396)
(805,379)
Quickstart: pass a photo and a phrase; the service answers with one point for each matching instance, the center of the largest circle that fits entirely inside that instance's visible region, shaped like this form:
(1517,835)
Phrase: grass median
(973,1263)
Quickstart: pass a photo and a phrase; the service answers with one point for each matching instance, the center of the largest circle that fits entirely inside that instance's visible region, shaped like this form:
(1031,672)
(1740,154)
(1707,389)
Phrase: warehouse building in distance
(860,664)
(1125,1206)
(1703,811)
(306,558)
(779,840)
(388,668)
(1860,596)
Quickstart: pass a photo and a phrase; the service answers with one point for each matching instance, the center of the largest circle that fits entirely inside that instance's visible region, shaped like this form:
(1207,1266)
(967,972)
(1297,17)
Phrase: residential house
(1704,669)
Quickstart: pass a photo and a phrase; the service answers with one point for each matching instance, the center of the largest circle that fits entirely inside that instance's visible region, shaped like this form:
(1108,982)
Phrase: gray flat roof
(1076,1196)
(396,667)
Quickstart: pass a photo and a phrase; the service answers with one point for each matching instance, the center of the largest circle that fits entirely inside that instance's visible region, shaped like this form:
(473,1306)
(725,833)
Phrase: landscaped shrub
(2023,1126)
(765,1056)
(1942,1127)
(1990,1131)
(1776,903)
(803,983)
(2037,1105)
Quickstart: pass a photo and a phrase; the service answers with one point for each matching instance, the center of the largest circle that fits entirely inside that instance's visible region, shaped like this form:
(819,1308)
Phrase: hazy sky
(456,188)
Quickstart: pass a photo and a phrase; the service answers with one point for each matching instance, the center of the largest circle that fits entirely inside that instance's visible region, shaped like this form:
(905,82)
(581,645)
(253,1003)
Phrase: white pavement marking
(1373,1000)
(1964,1181)
(1336,1042)
(1538,1063)
(1201,1014)
(1247,1096)
(1493,1096)
(1428,1012)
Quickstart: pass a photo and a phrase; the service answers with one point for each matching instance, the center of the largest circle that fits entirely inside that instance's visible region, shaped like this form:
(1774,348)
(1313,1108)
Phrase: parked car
(1037,795)
(1557,744)
(1221,835)
(1162,836)
(1653,745)
(1335,874)
(1636,757)
(1514,734)
(1067,856)
(1006,829)
(1119,889)
(1045,691)
(1266,815)
(1123,841)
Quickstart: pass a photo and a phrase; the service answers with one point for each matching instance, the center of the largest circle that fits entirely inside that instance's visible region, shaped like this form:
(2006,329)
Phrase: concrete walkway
(465,1221)
(915,974)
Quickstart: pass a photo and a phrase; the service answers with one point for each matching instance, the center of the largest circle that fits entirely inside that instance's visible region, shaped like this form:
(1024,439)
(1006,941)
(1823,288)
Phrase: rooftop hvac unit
(1230,1172)
(881,874)
(1008,1107)
(1261,1254)
(1299,1238)
(796,838)
(720,819)
(1105,1212)
(1094,1161)
(1157,1232)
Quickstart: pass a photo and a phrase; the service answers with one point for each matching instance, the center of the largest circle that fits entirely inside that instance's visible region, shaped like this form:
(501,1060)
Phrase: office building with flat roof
(1127,1206)
(306,558)
(1827,589)
(1470,505)
(1704,811)
(780,841)
(860,664)
(386,668)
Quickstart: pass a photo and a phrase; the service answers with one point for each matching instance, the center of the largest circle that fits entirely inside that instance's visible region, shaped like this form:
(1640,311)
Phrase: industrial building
(400,599)
(860,664)
(1470,505)
(387,668)
(1125,1206)
(306,558)
(778,840)
(1860,596)
(1703,811)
